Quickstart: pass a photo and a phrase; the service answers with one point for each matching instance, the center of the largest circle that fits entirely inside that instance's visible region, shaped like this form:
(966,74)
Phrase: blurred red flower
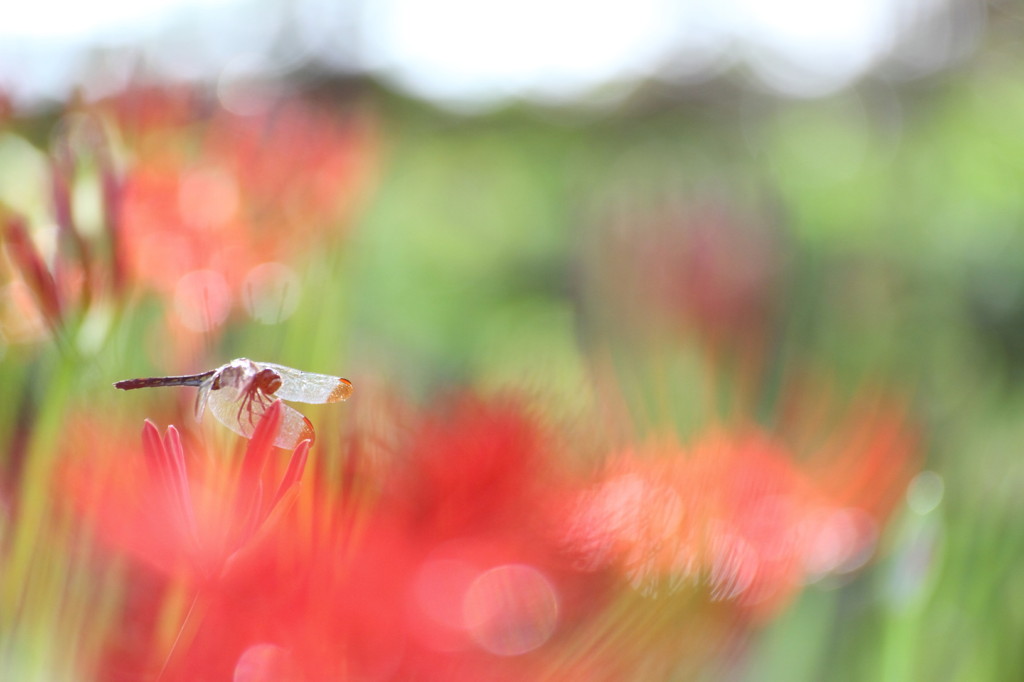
(747,516)
(453,573)
(207,189)
(454,570)
(188,524)
(205,206)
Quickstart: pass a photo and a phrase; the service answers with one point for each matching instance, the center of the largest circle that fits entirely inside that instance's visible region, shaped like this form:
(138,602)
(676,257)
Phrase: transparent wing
(306,387)
(202,396)
(228,405)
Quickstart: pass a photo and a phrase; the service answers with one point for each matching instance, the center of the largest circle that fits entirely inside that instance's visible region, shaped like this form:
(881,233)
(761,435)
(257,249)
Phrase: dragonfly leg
(246,406)
(255,397)
(252,394)
(241,407)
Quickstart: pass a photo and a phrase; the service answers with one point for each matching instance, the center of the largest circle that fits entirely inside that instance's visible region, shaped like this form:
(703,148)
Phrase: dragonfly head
(267,381)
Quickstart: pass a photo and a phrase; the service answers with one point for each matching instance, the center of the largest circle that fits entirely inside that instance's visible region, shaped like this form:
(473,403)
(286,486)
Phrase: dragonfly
(239,392)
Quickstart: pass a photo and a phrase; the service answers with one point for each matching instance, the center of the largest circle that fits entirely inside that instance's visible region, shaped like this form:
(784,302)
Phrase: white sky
(82,21)
(471,50)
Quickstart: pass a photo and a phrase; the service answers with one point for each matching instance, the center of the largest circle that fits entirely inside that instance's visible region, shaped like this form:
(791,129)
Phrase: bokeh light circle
(270,292)
(840,541)
(925,492)
(510,609)
(202,300)
(265,662)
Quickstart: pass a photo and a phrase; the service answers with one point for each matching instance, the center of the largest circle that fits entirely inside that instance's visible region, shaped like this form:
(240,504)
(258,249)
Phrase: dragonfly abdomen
(152,382)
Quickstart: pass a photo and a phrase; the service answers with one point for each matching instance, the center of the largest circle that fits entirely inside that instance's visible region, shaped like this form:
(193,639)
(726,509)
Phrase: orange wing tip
(341,392)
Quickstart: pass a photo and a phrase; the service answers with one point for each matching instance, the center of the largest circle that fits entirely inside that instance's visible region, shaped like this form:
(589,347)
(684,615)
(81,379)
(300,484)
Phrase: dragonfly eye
(268,381)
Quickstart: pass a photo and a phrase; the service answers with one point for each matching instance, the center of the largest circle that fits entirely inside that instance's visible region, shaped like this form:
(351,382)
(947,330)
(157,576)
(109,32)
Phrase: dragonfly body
(239,392)
(150,382)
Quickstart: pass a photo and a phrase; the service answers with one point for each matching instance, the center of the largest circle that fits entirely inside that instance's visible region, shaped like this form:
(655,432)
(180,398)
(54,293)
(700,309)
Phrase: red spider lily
(739,516)
(192,526)
(161,245)
(454,572)
(722,518)
(207,208)
(187,526)
(224,192)
(215,206)
(296,166)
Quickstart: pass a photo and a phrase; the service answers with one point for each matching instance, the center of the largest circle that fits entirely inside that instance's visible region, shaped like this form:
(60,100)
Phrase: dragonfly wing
(226,405)
(295,428)
(306,387)
(242,417)
(201,397)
